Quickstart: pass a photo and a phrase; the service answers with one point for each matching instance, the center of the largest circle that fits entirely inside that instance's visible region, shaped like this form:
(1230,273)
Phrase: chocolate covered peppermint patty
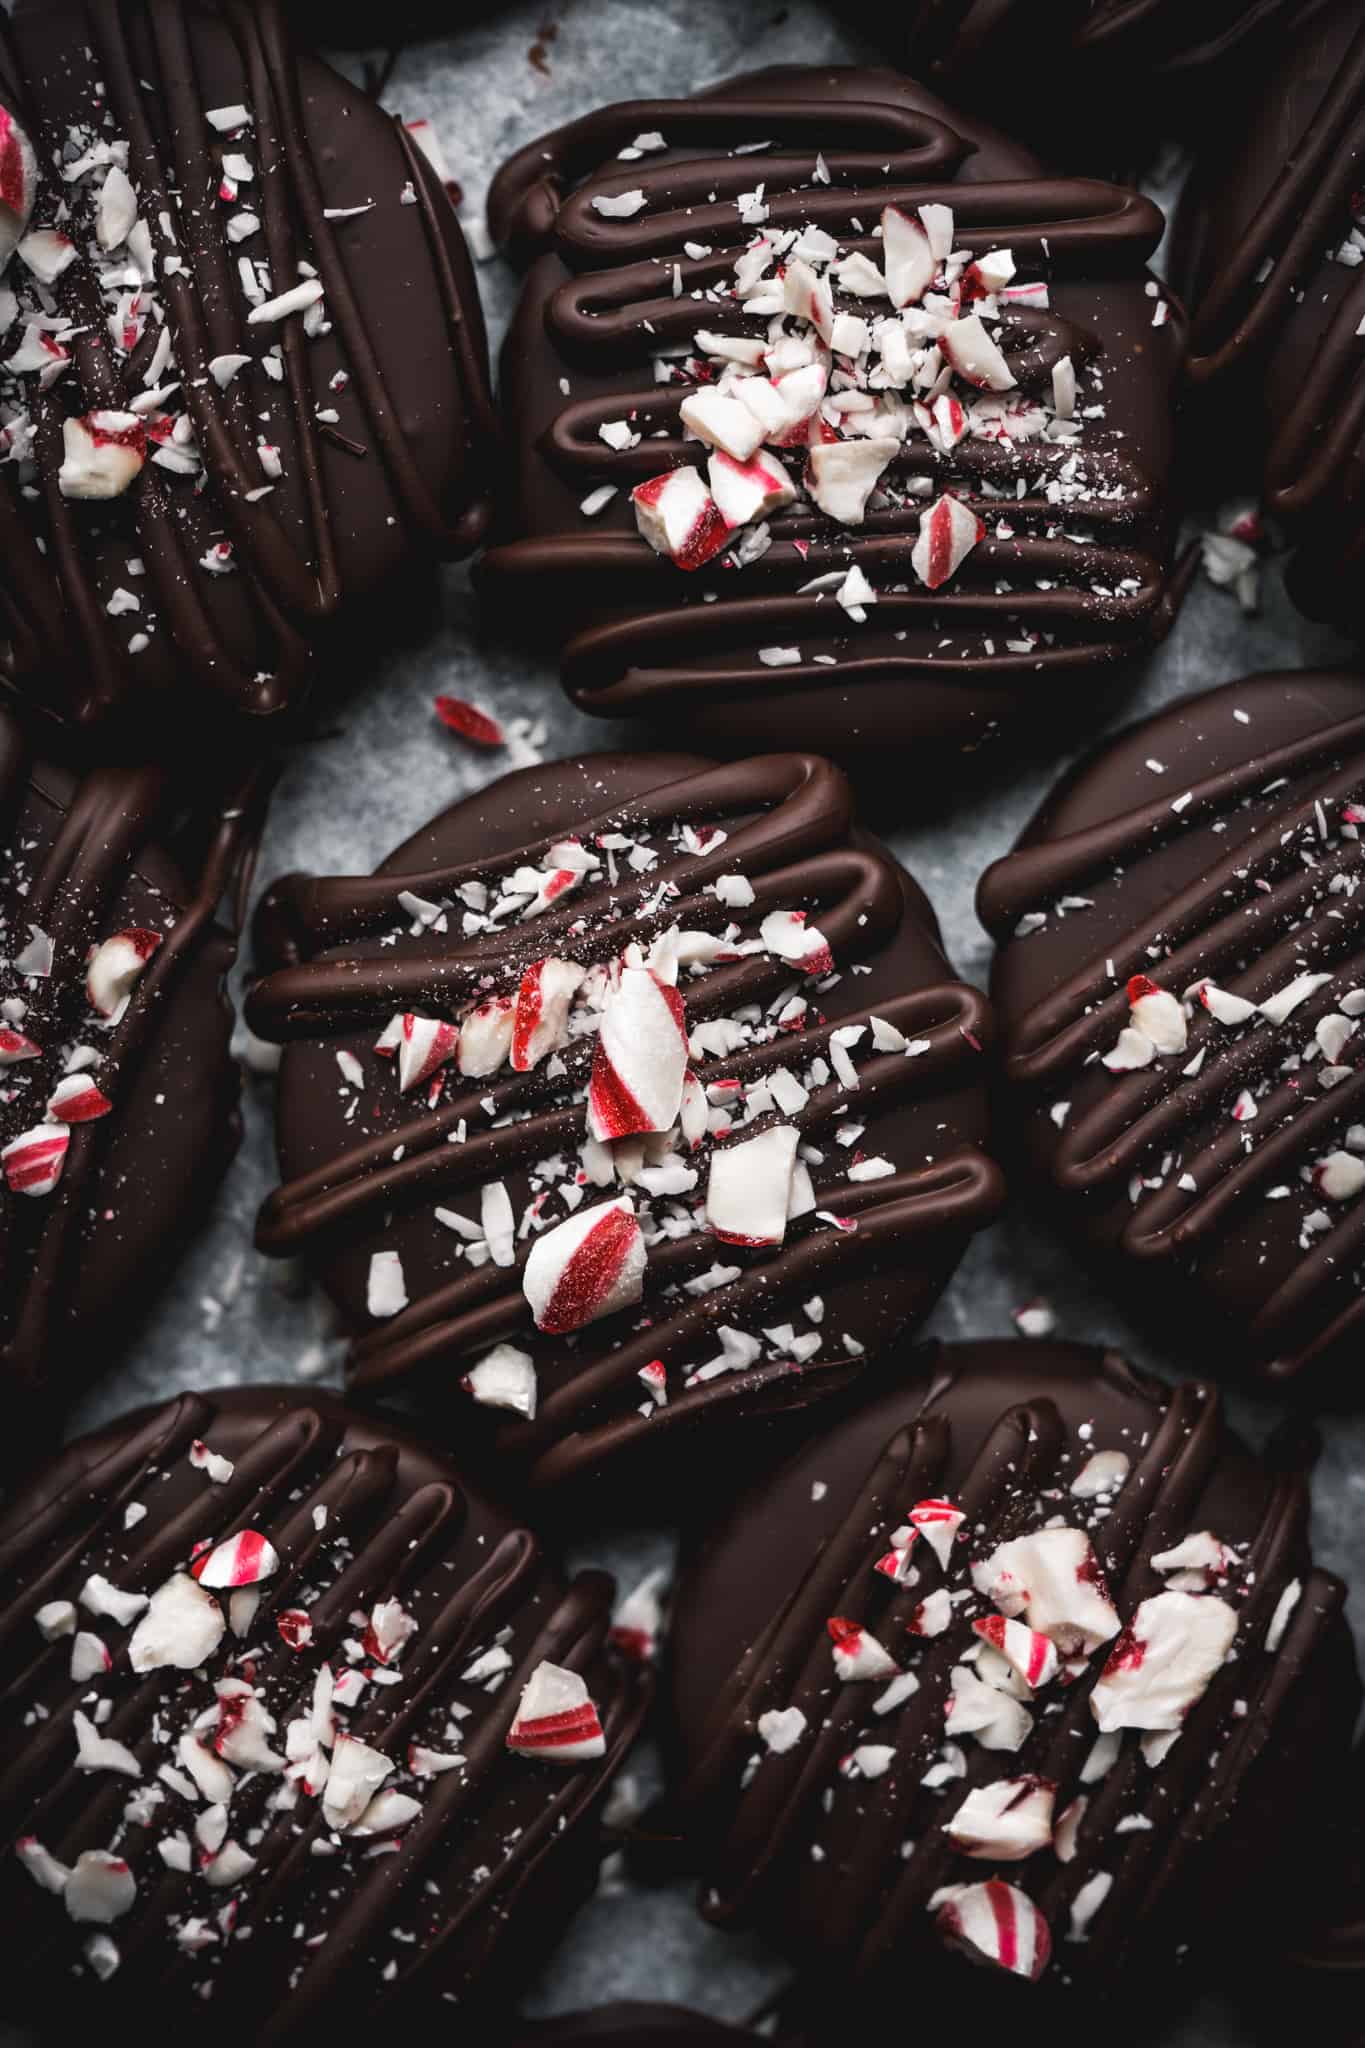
(118,1097)
(828,406)
(1028,1670)
(241,359)
(1180,984)
(301,1732)
(632,1095)
(1269,248)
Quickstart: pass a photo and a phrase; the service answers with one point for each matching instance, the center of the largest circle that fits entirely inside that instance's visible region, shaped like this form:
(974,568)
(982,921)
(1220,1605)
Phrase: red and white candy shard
(18,182)
(948,532)
(1031,1656)
(974,1708)
(243,1560)
(506,1378)
(749,1190)
(679,518)
(76,1100)
(486,1037)
(788,935)
(1006,1821)
(908,258)
(556,1718)
(14,1046)
(542,1011)
(1157,1025)
(641,1058)
(1052,1580)
(587,1267)
(102,454)
(938,1522)
(114,966)
(933,1615)
(842,475)
(747,491)
(857,1653)
(1162,1663)
(994,1923)
(424,1047)
(896,1566)
(34,1160)
(182,1627)
(389,1629)
(356,1774)
(637,1623)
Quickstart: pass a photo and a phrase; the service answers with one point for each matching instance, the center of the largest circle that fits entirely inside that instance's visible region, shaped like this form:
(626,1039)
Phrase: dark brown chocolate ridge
(501,1849)
(1274,338)
(790,829)
(958,39)
(629,2025)
(407,331)
(1000,1423)
(86,857)
(637,634)
(1218,889)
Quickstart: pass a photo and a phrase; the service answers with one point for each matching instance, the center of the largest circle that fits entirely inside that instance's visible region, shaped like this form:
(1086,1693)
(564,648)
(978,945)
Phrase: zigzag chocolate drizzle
(769,1810)
(1071,578)
(360,464)
(83,862)
(788,823)
(1276,324)
(323,1929)
(1267,890)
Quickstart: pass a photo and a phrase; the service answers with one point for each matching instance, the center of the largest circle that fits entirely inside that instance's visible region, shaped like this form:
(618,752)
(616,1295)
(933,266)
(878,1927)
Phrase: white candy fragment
(101,1888)
(356,1774)
(974,1708)
(1052,1580)
(506,1378)
(1163,1662)
(857,1653)
(386,1292)
(748,1193)
(182,1627)
(102,453)
(842,476)
(1006,1821)
(587,1267)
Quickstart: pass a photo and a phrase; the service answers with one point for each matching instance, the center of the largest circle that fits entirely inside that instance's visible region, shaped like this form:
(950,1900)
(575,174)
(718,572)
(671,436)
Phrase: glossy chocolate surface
(349,1190)
(85,859)
(1216,841)
(200,590)
(1268,253)
(1047,596)
(327,1930)
(1200,1846)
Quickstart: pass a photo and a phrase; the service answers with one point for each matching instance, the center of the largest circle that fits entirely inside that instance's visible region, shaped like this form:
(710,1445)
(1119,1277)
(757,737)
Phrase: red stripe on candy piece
(590,1275)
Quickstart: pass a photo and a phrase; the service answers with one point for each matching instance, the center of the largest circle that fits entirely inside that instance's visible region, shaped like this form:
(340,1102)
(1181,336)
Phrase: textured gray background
(385,765)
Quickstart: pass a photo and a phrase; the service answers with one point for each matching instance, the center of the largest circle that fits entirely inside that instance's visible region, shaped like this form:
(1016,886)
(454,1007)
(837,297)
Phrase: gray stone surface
(384,765)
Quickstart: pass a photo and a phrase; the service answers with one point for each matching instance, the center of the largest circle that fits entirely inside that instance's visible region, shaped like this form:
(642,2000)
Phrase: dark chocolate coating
(641,636)
(84,859)
(1249,883)
(791,831)
(502,1849)
(959,39)
(841,1871)
(399,473)
(1275,352)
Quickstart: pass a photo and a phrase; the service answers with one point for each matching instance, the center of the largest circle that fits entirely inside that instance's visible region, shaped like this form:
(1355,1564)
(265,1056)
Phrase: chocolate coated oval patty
(829,408)
(632,1097)
(1180,984)
(277,1691)
(1027,1668)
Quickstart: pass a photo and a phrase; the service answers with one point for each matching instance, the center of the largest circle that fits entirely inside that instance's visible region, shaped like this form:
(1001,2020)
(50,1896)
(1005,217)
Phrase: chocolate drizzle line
(60,631)
(645,637)
(878,1909)
(112,819)
(405,1527)
(1262,286)
(1246,920)
(791,842)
